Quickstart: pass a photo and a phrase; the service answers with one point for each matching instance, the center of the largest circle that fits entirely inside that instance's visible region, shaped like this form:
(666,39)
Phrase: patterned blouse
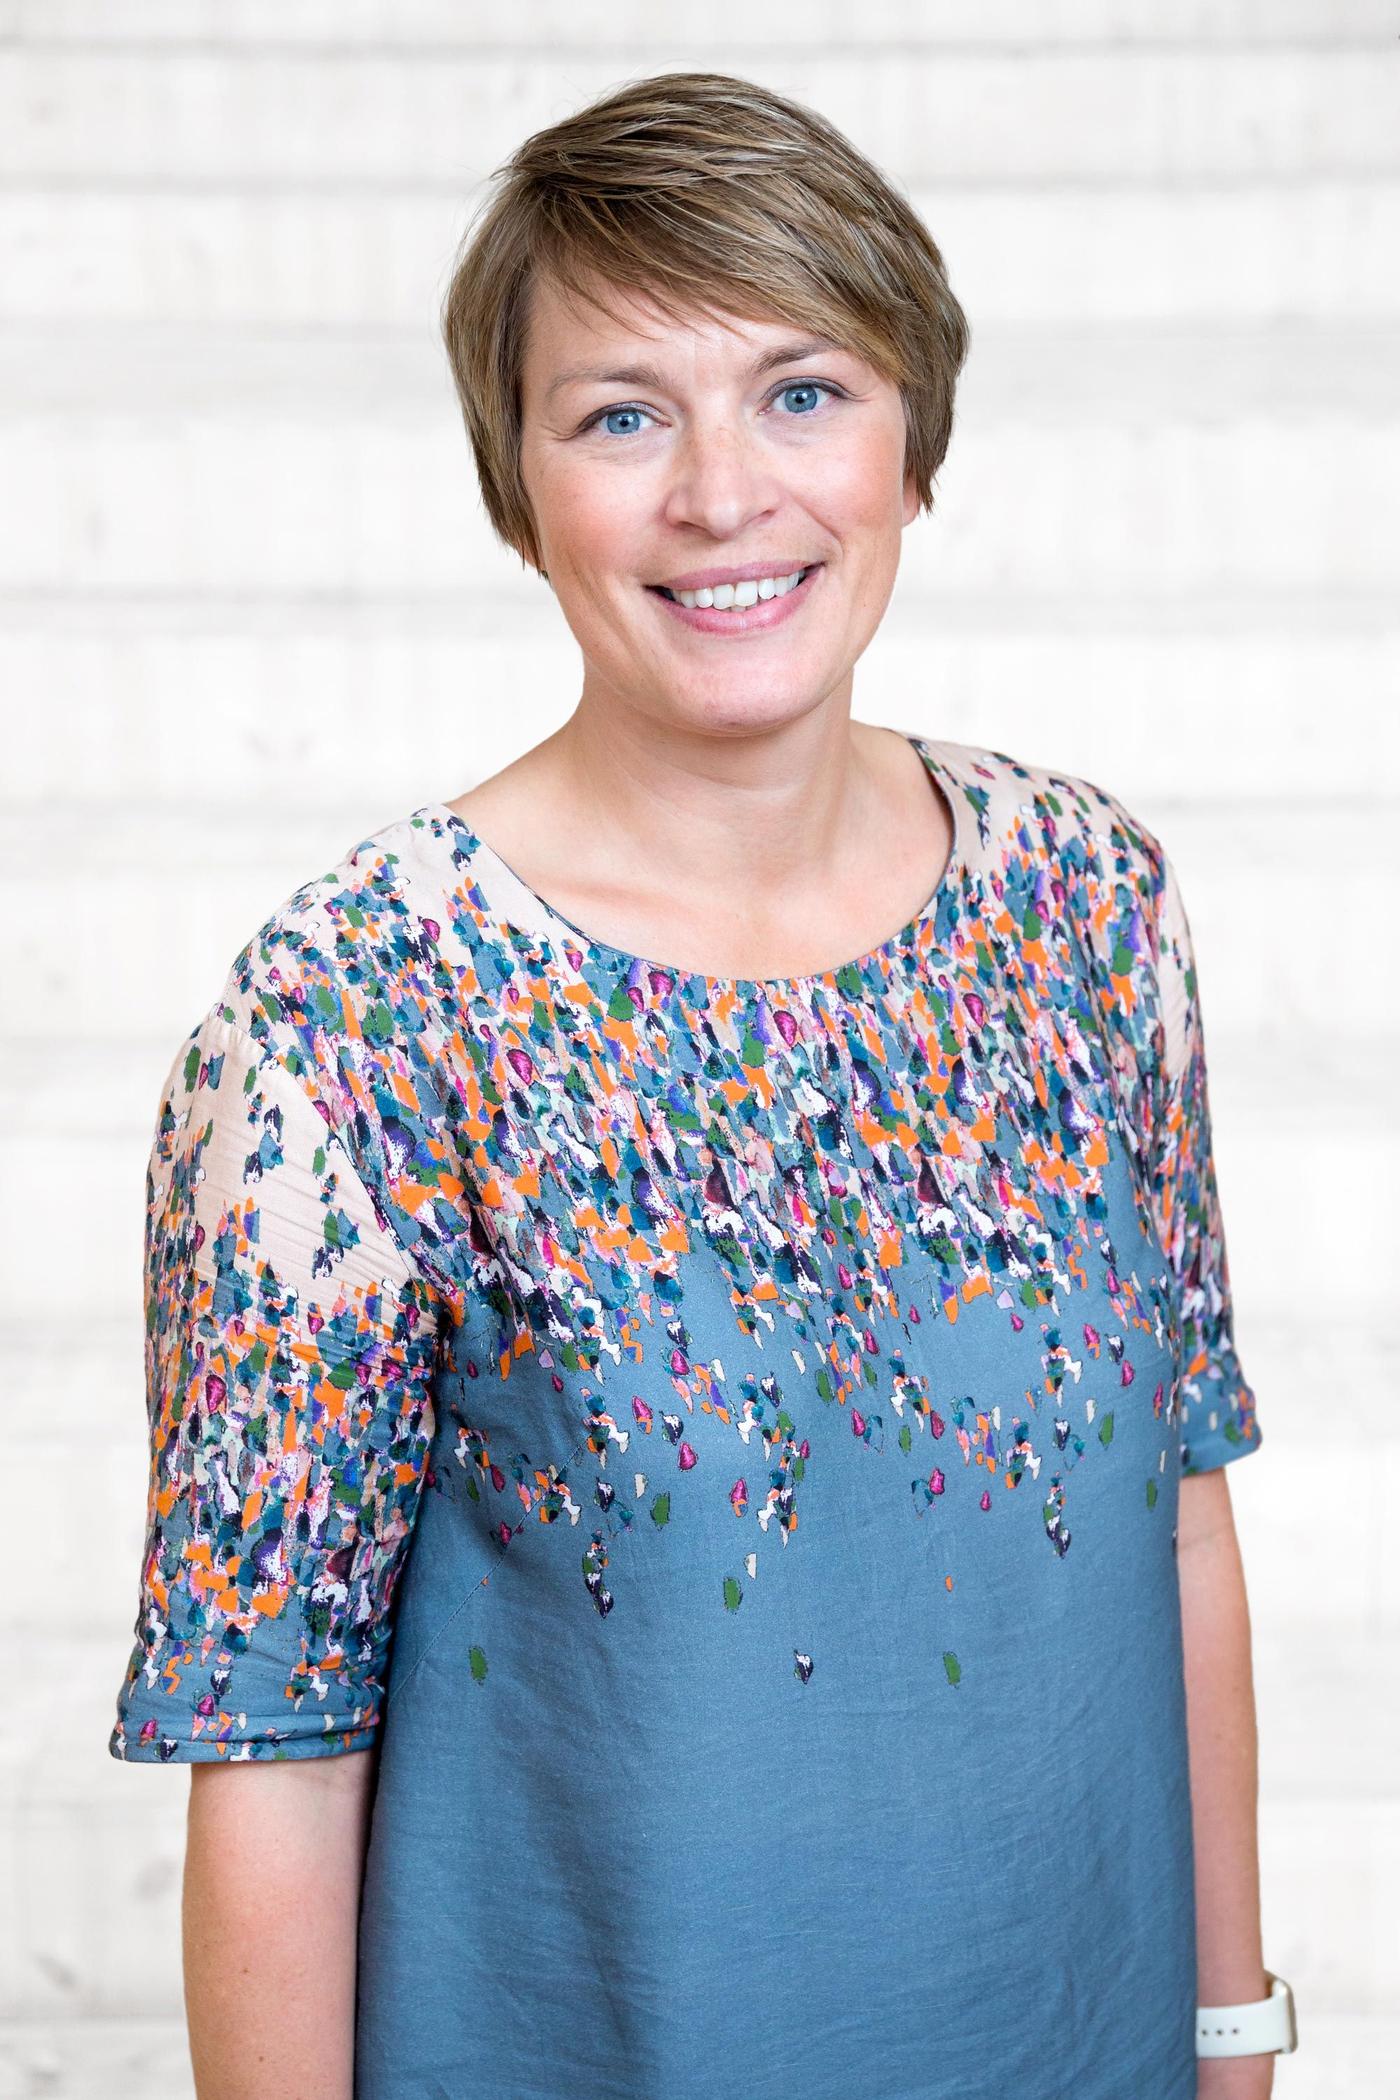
(719,1443)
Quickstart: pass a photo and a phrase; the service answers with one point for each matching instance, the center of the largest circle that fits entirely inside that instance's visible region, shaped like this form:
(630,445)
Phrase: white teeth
(724,596)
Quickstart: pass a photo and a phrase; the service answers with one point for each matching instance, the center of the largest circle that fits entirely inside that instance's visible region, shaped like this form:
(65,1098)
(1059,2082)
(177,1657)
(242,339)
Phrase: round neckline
(943,777)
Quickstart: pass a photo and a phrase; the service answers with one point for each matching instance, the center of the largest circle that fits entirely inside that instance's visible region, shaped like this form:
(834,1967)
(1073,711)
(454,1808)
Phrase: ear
(911,497)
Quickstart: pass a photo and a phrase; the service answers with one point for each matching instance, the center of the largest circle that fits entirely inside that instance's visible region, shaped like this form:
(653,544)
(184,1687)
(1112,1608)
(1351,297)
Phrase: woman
(798,1354)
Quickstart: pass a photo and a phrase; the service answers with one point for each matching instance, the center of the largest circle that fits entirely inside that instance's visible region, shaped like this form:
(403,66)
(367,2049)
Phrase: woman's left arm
(1224,1765)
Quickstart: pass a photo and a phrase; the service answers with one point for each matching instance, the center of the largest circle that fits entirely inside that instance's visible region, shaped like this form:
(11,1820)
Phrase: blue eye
(806,386)
(604,413)
(603,416)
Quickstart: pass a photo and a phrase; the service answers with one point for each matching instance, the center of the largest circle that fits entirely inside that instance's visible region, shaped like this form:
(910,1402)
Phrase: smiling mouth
(664,591)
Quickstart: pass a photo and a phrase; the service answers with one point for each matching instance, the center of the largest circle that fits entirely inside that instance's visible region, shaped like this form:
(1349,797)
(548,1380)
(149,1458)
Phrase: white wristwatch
(1257,2029)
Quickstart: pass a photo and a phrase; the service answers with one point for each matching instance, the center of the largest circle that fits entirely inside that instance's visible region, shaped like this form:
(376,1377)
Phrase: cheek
(592,519)
(857,486)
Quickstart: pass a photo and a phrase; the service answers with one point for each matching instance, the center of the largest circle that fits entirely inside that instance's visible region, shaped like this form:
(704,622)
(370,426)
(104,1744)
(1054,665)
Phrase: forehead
(571,338)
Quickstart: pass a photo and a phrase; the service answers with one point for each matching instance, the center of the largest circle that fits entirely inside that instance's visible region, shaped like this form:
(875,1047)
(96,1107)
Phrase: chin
(729,714)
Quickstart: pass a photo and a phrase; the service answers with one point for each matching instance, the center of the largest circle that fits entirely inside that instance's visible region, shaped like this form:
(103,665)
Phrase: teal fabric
(719,1444)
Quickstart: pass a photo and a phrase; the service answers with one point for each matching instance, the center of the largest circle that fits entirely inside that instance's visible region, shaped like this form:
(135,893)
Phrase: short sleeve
(1218,1421)
(289,1348)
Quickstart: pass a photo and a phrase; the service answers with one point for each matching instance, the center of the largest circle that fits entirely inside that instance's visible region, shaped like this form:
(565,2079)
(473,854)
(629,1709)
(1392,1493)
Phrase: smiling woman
(723,540)
(699,195)
(686,1287)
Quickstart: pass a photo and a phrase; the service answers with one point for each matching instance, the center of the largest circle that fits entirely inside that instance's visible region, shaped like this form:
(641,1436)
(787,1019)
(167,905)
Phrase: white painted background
(249,609)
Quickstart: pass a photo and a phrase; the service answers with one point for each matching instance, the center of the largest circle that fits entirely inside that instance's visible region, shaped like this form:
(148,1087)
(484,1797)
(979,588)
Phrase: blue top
(720,1442)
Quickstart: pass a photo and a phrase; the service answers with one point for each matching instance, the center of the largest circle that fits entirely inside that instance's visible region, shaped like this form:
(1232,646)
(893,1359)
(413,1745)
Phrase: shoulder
(1072,891)
(319,964)
(1030,815)
(340,994)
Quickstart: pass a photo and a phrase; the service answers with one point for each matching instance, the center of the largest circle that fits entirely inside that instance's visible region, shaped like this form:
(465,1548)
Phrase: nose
(720,481)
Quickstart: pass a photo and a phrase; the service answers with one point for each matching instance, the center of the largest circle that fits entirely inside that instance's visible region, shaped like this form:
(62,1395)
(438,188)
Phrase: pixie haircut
(705,194)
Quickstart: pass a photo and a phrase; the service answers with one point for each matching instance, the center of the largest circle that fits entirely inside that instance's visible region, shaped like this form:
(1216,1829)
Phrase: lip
(754,619)
(704,579)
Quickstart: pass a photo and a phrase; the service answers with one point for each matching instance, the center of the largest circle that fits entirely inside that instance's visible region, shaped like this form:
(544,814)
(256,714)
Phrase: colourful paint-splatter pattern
(464,1226)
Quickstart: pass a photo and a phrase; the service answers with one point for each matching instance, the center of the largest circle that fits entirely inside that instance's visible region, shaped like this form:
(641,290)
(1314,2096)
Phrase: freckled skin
(710,800)
(719,469)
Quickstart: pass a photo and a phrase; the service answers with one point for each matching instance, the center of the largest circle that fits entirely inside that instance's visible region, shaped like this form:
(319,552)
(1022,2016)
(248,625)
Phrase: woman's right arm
(274,1857)
(289,1357)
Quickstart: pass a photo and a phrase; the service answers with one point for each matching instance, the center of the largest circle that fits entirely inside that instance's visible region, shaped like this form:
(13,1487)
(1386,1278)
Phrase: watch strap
(1257,2028)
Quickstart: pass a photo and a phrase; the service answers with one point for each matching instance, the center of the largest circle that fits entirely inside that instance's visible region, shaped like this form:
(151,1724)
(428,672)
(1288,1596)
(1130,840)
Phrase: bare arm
(1223,1752)
(273,1863)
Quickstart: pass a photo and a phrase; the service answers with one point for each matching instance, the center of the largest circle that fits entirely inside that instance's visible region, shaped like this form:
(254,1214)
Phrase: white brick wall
(249,608)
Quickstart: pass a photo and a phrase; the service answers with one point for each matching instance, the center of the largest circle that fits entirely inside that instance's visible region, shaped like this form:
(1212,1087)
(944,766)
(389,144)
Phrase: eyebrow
(647,375)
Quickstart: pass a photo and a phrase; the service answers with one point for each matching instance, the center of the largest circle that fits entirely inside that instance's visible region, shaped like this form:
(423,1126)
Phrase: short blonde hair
(704,193)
